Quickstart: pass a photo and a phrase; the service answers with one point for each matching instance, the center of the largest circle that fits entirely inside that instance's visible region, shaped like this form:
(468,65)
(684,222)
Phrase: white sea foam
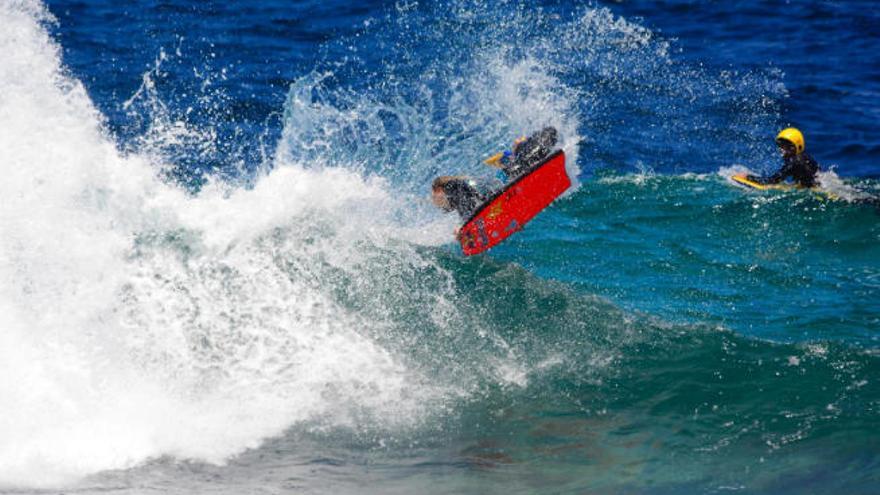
(833,183)
(139,322)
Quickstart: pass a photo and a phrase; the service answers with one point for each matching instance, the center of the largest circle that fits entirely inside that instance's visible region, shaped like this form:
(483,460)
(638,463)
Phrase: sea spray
(141,322)
(318,331)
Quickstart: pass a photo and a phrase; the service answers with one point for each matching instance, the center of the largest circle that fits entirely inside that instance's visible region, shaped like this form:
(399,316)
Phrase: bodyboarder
(461,194)
(798,165)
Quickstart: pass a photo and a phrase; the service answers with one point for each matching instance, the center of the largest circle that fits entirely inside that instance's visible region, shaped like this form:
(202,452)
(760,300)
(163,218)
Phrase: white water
(138,322)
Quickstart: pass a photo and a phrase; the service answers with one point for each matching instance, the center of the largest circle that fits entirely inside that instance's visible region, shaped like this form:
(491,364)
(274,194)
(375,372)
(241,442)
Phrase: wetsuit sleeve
(785,171)
(463,197)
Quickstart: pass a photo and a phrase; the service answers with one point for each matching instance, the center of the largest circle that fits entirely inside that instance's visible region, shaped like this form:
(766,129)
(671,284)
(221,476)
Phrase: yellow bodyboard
(742,179)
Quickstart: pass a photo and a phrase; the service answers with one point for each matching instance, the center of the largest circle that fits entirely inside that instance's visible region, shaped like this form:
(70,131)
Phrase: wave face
(219,281)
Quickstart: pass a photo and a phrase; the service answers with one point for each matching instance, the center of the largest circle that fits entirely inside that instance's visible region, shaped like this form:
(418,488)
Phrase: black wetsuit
(530,152)
(463,196)
(801,167)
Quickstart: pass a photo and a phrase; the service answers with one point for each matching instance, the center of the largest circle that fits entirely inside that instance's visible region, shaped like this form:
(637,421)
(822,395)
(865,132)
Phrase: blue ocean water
(222,271)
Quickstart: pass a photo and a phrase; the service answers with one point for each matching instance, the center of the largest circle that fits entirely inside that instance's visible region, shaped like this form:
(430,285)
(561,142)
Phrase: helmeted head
(791,139)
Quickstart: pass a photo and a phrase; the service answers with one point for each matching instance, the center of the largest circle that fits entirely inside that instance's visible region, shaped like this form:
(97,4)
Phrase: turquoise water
(221,271)
(787,267)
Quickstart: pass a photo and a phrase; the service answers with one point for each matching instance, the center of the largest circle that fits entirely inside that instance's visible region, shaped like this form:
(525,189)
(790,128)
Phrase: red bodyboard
(509,209)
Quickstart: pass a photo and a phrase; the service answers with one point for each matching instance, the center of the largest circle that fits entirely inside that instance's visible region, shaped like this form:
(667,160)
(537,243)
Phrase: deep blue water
(224,274)
(819,52)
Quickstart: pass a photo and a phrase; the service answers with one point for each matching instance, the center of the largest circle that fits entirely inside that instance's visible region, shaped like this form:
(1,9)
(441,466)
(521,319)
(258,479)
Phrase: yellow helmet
(792,136)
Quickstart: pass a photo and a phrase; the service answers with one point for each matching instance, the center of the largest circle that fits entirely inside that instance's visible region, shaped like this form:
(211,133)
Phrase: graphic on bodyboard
(509,209)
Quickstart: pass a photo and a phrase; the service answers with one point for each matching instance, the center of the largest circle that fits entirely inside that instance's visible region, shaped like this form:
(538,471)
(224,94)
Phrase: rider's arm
(776,178)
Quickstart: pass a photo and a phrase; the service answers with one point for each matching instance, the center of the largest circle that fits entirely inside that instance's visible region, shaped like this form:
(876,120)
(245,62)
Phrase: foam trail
(830,181)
